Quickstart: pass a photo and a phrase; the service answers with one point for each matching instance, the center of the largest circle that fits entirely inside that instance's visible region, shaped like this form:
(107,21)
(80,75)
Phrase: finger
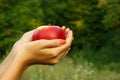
(69,40)
(69,37)
(63,27)
(66,46)
(62,55)
(54,60)
(54,52)
(66,31)
(48,43)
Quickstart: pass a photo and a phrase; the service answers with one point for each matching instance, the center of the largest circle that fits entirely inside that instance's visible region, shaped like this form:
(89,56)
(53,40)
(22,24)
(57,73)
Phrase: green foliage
(15,19)
(112,18)
(95,24)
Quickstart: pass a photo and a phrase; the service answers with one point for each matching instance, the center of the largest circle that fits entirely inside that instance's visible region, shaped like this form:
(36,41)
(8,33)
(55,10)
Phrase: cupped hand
(42,51)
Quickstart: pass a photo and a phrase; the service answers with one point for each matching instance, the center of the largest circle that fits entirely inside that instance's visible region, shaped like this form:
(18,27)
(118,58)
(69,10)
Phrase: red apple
(48,32)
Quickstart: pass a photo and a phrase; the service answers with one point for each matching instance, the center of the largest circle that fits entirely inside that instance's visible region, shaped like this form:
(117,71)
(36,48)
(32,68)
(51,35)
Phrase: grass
(80,65)
(68,70)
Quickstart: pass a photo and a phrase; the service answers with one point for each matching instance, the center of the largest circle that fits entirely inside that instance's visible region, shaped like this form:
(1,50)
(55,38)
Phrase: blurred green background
(95,52)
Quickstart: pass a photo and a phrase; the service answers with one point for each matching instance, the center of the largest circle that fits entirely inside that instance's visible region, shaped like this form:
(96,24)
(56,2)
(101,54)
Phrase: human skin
(26,53)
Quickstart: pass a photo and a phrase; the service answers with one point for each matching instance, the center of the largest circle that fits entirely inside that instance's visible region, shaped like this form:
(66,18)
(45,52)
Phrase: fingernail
(62,41)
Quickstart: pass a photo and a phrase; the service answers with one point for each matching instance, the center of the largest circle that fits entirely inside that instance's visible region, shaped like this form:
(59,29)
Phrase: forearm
(6,63)
(14,71)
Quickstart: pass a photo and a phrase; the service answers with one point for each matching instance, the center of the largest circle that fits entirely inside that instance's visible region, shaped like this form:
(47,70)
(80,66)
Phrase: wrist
(21,60)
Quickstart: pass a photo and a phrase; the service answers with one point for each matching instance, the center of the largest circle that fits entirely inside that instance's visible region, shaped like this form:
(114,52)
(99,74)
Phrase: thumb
(49,43)
(27,37)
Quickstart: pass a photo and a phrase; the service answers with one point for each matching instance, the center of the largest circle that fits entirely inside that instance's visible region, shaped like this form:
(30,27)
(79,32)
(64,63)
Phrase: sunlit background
(95,52)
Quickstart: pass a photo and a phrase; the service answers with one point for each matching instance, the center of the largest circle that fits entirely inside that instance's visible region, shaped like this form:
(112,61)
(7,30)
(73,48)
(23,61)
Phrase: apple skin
(48,33)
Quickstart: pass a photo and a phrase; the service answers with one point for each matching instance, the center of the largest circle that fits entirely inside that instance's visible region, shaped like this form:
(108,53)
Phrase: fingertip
(63,27)
(68,29)
(62,41)
(70,33)
(69,38)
